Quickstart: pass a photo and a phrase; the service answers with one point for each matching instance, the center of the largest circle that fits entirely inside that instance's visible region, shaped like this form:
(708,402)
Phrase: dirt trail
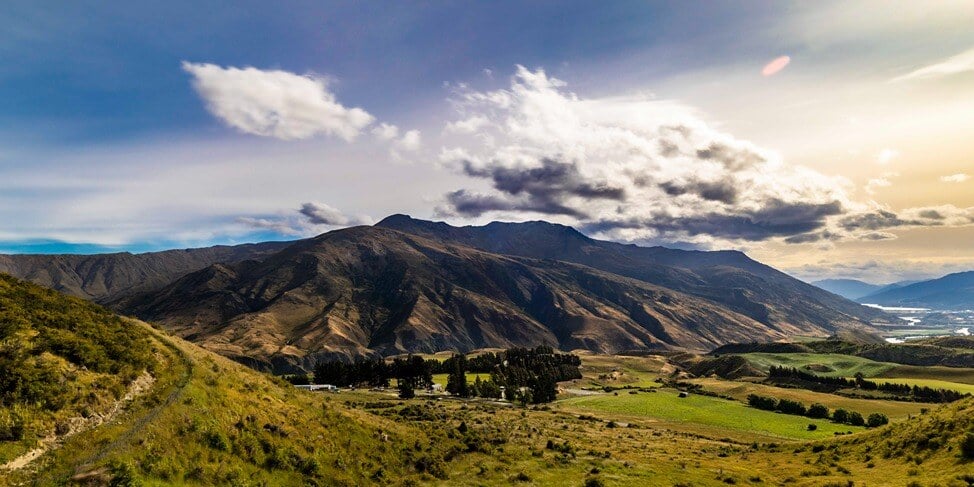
(79,424)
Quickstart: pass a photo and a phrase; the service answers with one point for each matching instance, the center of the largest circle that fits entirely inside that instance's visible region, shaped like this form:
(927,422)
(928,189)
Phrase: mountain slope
(953,291)
(200,420)
(848,288)
(729,278)
(370,290)
(104,277)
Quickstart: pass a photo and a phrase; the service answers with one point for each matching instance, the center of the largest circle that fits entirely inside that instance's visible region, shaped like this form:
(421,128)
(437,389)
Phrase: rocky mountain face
(409,285)
(729,278)
(369,290)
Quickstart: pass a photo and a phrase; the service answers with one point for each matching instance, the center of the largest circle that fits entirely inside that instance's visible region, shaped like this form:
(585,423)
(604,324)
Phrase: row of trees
(816,411)
(530,375)
(375,372)
(915,393)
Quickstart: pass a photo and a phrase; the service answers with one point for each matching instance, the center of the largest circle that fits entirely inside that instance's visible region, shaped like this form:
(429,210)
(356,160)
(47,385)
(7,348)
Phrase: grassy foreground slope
(204,421)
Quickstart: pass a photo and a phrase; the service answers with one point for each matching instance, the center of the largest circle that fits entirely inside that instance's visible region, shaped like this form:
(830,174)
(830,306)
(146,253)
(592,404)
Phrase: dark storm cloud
(322,214)
(775,219)
(877,220)
(732,158)
(543,189)
(465,203)
(723,191)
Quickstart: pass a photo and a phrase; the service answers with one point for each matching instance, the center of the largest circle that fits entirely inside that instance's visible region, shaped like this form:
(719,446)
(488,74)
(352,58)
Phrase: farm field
(825,364)
(441,379)
(895,410)
(667,406)
(621,371)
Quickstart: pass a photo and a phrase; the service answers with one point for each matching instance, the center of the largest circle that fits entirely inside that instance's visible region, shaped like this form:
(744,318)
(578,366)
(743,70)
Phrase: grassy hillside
(203,421)
(61,358)
(827,364)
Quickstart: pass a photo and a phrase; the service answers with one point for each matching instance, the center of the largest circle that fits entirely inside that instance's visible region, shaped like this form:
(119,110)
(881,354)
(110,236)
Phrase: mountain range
(951,292)
(855,289)
(408,285)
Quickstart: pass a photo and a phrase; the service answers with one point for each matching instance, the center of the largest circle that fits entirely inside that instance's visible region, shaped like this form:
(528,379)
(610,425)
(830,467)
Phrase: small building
(318,387)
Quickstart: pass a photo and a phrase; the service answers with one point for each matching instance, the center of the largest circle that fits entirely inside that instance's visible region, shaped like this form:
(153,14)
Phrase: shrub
(818,411)
(840,416)
(967,447)
(856,419)
(876,420)
(812,427)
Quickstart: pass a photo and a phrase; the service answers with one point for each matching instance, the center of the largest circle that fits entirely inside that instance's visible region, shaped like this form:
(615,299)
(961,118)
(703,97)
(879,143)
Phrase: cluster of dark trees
(831,384)
(816,411)
(530,375)
(376,372)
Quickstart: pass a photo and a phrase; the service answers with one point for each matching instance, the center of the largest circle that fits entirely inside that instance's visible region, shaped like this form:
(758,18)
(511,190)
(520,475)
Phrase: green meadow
(666,405)
(826,364)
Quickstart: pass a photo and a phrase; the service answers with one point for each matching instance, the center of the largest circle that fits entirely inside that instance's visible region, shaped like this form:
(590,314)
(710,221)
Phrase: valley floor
(208,421)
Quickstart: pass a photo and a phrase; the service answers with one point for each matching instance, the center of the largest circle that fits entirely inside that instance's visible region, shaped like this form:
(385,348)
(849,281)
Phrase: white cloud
(386,131)
(275,103)
(960,63)
(629,168)
(467,125)
(410,141)
(881,182)
(955,178)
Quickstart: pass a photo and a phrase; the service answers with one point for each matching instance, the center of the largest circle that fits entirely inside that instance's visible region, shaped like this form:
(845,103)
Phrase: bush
(818,411)
(812,427)
(856,419)
(876,420)
(840,416)
(967,447)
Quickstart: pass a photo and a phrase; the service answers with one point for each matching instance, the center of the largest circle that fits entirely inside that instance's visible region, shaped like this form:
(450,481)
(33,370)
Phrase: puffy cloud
(630,168)
(960,63)
(646,170)
(310,219)
(322,214)
(955,178)
(410,141)
(467,125)
(881,182)
(275,103)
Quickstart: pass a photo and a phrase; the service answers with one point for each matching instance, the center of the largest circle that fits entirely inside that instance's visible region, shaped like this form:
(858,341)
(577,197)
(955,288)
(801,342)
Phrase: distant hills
(104,277)
(854,289)
(408,285)
(951,292)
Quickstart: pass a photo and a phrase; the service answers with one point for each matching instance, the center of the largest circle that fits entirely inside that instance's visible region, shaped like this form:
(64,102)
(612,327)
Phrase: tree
(456,382)
(818,411)
(856,419)
(406,386)
(876,420)
(840,416)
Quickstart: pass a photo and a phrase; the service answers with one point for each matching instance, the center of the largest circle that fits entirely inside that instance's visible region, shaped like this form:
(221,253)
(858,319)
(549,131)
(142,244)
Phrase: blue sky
(138,126)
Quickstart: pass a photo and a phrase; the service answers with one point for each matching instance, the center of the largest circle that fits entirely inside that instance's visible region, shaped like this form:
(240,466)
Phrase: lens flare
(776,65)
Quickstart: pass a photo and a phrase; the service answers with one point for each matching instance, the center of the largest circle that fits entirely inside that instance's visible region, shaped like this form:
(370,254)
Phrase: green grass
(826,364)
(704,410)
(895,410)
(471,377)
